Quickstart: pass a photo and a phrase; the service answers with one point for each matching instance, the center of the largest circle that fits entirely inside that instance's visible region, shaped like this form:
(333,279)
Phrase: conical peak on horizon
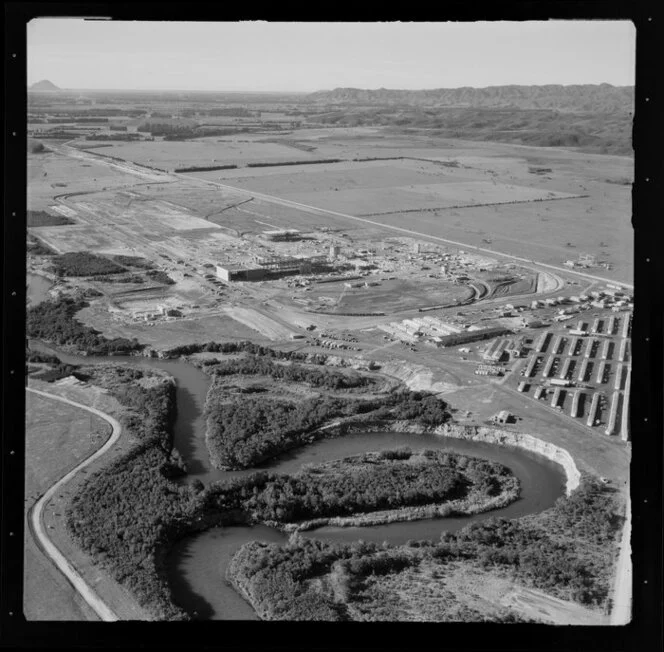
(44,85)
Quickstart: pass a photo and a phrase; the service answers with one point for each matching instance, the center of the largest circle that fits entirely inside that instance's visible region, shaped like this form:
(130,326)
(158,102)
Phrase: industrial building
(592,413)
(558,345)
(622,352)
(503,417)
(624,428)
(572,345)
(281,235)
(555,399)
(495,351)
(531,365)
(471,336)
(288,264)
(589,348)
(560,382)
(229,273)
(276,264)
(613,413)
(605,349)
(566,367)
(601,368)
(547,369)
(626,325)
(542,341)
(515,348)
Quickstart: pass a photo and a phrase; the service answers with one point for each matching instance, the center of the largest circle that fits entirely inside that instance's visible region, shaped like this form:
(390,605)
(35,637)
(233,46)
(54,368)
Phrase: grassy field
(50,175)
(57,437)
(490,173)
(174,154)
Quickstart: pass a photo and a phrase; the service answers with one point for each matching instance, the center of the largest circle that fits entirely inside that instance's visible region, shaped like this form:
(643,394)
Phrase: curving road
(86,592)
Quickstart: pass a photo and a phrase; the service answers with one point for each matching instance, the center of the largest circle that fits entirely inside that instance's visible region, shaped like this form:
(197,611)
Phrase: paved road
(162,176)
(621,613)
(86,592)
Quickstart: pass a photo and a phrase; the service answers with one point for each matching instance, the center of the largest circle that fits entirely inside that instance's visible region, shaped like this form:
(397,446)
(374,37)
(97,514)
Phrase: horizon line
(325,90)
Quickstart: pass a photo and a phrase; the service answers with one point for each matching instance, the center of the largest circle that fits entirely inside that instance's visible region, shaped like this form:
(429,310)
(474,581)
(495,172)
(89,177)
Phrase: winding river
(197,565)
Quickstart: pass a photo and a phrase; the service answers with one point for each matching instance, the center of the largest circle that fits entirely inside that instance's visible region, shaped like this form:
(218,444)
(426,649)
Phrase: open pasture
(598,224)
(337,176)
(539,231)
(174,154)
(50,175)
(372,201)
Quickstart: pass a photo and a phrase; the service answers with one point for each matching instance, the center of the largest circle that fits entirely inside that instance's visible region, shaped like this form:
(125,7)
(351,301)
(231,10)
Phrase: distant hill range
(601,98)
(44,86)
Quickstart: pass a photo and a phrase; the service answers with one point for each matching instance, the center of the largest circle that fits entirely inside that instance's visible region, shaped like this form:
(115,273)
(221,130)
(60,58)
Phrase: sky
(305,57)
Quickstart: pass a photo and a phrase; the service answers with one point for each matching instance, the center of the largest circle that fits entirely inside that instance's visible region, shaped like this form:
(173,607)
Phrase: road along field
(118,603)
(583,199)
(57,437)
(175,154)
(36,515)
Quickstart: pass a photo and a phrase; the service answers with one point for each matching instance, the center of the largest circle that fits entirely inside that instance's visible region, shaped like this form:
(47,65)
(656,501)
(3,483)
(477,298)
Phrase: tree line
(257,365)
(54,321)
(83,263)
(241,434)
(565,551)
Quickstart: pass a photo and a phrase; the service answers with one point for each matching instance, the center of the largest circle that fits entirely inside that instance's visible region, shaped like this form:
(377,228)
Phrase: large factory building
(229,273)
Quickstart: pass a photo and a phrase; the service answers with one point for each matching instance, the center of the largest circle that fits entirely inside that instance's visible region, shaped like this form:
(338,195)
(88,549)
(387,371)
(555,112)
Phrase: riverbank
(560,557)
(484,434)
(357,428)
(118,597)
(453,508)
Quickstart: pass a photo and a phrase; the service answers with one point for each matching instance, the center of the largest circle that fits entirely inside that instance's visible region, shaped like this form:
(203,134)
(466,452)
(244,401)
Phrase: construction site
(446,267)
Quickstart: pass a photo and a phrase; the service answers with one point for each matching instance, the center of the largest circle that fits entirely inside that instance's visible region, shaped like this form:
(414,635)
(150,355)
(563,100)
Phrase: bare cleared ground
(267,326)
(167,334)
(435,591)
(389,296)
